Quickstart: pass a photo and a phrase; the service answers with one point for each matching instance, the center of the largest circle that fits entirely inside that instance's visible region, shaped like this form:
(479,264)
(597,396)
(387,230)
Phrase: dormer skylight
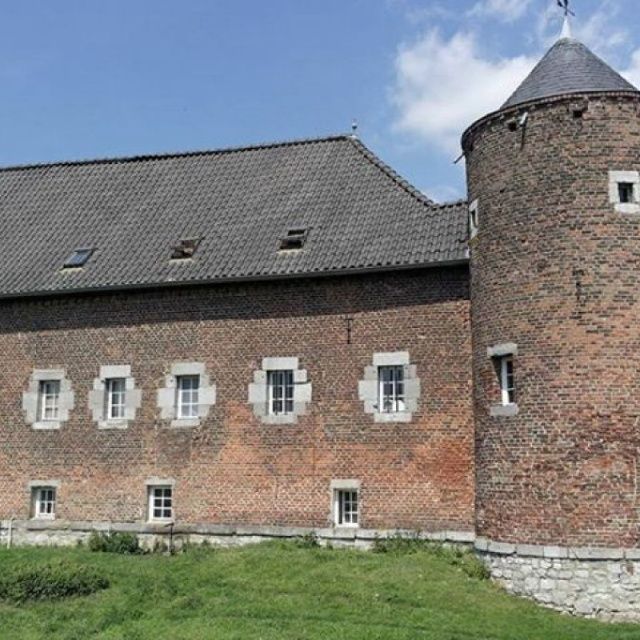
(294,239)
(78,258)
(185,249)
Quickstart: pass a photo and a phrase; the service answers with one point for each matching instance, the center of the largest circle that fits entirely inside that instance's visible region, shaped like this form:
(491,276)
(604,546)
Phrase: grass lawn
(278,591)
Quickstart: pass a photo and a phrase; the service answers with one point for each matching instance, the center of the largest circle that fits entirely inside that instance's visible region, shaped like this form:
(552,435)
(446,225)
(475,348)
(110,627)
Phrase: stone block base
(594,583)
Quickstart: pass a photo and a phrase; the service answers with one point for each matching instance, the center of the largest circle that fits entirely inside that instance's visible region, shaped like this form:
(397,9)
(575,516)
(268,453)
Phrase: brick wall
(234,469)
(555,270)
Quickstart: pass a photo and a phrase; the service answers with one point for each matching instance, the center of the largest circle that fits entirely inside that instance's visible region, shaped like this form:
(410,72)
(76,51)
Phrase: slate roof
(568,67)
(133,211)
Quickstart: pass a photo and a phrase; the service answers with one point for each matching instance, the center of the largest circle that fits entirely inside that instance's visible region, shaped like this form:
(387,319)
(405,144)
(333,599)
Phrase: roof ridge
(178,154)
(389,172)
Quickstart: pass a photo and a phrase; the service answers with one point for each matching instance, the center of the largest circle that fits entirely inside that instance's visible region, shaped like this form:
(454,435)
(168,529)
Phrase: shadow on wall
(337,295)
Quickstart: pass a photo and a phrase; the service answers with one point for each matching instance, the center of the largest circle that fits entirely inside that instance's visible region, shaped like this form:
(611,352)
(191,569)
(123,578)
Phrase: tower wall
(555,271)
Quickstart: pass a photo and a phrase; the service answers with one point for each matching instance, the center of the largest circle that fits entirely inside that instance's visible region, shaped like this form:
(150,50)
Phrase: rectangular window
(116,391)
(507,380)
(49,400)
(188,396)
(391,389)
(44,503)
(625,192)
(346,507)
(160,503)
(280,392)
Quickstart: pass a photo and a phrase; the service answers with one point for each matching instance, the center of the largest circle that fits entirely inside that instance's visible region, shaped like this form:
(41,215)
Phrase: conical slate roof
(568,67)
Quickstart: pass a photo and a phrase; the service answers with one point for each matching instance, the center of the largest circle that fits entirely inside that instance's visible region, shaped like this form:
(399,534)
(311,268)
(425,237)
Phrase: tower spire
(566,25)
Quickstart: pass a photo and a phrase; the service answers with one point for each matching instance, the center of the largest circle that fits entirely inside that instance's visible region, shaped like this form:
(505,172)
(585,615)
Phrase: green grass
(279,591)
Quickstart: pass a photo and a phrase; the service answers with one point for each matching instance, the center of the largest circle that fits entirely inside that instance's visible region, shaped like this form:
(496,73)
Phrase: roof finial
(354,128)
(566,25)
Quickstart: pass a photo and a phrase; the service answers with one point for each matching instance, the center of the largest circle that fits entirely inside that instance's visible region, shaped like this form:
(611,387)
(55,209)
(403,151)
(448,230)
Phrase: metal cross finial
(564,4)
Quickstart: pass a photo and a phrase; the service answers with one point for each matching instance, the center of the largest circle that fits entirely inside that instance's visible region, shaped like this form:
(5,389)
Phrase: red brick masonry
(234,469)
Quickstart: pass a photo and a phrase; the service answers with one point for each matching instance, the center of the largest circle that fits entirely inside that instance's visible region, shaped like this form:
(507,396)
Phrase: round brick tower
(554,193)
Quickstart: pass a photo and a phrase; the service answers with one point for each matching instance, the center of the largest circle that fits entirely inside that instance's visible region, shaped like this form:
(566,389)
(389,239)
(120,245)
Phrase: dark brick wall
(555,270)
(233,469)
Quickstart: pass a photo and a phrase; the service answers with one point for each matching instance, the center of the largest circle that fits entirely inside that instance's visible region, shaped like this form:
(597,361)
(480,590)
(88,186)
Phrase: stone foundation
(64,533)
(590,582)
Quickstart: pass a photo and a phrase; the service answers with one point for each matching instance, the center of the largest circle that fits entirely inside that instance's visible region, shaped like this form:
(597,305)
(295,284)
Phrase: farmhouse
(272,340)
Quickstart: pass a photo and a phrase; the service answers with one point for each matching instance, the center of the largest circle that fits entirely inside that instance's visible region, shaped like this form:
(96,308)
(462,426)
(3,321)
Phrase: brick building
(286,338)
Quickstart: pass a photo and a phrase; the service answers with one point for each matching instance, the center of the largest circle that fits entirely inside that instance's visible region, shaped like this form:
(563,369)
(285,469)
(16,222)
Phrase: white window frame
(343,516)
(158,492)
(49,400)
(284,381)
(116,398)
(188,410)
(507,380)
(473,219)
(44,502)
(391,388)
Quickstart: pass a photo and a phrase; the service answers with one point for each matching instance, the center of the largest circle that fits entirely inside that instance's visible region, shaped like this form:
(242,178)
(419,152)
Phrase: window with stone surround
(280,391)
(114,398)
(624,191)
(160,503)
(43,502)
(187,396)
(345,503)
(390,389)
(48,400)
(503,402)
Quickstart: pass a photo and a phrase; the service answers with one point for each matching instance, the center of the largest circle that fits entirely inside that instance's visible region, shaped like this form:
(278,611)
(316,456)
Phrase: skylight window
(77,259)
(185,249)
(294,239)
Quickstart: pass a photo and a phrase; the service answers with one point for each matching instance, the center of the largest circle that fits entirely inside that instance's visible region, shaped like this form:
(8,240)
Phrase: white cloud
(504,10)
(442,86)
(632,74)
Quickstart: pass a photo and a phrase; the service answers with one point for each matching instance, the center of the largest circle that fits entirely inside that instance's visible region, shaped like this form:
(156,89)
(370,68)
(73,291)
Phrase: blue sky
(91,79)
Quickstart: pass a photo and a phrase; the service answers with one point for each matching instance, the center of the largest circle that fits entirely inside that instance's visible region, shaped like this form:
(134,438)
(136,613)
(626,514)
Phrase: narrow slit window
(507,380)
(116,393)
(188,396)
(160,503)
(625,192)
(44,503)
(346,508)
(391,397)
(280,392)
(77,259)
(49,400)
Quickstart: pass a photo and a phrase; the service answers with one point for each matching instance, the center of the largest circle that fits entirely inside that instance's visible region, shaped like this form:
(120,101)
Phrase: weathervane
(564,4)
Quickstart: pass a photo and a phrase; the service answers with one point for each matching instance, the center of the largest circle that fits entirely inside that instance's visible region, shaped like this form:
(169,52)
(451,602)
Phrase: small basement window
(160,503)
(185,249)
(294,239)
(77,259)
(345,507)
(44,503)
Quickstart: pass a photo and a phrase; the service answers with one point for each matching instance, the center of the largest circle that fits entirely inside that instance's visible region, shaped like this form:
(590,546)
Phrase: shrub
(124,543)
(50,582)
(307,541)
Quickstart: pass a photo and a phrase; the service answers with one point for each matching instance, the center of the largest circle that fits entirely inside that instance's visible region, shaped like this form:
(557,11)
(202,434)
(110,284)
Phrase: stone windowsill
(47,425)
(185,423)
(504,410)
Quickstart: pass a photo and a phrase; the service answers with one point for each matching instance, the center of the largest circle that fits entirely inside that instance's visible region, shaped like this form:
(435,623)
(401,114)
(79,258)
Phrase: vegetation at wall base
(125,543)
(294,590)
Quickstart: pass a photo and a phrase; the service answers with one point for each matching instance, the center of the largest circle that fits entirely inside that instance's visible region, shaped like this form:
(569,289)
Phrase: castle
(273,340)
